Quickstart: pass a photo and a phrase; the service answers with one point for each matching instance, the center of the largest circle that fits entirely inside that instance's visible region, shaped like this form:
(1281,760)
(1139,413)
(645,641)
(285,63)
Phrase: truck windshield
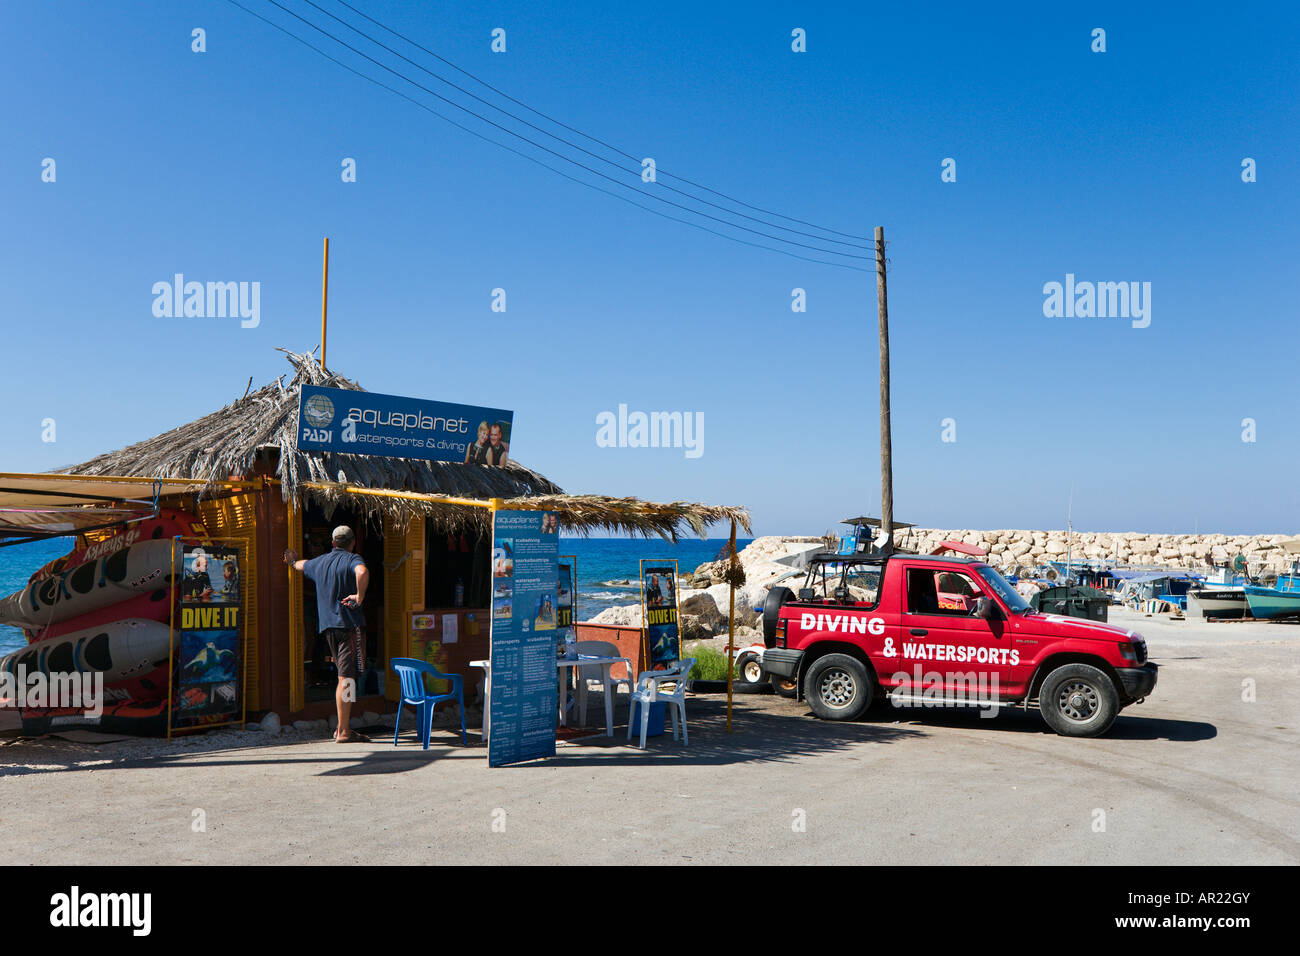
(1010,596)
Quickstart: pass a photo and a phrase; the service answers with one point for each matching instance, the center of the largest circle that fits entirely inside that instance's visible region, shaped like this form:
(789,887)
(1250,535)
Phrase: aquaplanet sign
(369,423)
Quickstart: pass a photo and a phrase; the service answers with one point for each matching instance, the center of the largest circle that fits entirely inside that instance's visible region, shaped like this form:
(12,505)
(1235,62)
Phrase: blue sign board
(368,423)
(525,614)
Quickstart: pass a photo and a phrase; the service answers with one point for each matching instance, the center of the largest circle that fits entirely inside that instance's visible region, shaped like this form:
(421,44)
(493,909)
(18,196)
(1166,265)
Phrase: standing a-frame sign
(525,595)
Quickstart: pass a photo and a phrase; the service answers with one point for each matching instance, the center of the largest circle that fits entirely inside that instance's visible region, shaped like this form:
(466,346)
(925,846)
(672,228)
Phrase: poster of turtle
(208,640)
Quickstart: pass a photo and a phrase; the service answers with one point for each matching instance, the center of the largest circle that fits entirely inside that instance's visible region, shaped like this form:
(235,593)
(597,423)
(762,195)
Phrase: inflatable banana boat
(106,608)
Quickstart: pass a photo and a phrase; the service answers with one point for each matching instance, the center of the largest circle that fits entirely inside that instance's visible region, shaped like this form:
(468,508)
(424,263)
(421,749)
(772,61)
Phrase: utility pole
(886,440)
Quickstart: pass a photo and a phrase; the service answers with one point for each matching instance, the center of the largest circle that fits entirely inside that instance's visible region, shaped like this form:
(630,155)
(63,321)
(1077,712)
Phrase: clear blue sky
(1122,166)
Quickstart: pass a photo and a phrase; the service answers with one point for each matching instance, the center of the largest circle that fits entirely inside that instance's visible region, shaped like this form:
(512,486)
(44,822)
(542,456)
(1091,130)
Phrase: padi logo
(319,411)
(842,623)
(76,909)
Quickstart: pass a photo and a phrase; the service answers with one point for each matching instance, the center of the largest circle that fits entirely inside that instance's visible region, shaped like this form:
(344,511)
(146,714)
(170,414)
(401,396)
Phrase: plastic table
(583,660)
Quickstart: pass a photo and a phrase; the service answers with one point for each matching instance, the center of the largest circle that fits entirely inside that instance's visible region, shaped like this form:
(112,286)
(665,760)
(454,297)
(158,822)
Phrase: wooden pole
(886,439)
(731,627)
(324,299)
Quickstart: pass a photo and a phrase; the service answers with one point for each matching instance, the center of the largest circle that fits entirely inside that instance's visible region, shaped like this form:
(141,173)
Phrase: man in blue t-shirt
(340,578)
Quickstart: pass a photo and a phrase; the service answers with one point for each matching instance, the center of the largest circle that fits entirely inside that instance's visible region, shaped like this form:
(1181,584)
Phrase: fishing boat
(1221,596)
(1216,601)
(1169,587)
(1282,600)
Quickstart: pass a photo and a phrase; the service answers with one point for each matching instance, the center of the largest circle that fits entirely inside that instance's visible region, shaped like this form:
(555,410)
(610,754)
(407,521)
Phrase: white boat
(1216,601)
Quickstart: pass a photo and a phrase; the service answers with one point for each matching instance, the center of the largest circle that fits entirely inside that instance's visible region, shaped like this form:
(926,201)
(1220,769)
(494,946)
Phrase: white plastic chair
(648,691)
(596,672)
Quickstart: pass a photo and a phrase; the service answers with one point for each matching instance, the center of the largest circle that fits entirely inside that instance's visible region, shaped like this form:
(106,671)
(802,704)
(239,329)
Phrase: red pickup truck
(925,630)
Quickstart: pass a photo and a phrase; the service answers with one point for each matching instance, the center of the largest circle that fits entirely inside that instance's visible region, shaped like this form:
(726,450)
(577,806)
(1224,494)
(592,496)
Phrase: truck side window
(943,592)
(863,584)
(922,597)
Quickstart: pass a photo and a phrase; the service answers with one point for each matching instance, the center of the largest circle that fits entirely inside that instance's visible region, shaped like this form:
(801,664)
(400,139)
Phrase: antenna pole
(324,300)
(1069,534)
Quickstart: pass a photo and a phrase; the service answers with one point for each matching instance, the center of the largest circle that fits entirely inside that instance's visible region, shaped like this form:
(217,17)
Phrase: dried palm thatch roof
(582,514)
(227,443)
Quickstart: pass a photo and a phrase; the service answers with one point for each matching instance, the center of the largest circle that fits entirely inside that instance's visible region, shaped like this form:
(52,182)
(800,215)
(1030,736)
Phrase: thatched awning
(227,443)
(580,514)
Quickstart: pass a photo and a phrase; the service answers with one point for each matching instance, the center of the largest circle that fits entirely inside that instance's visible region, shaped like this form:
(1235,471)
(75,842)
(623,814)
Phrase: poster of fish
(661,641)
(208,643)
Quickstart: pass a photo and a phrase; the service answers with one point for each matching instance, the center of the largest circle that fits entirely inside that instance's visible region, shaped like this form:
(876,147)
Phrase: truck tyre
(785,687)
(772,610)
(750,677)
(1078,700)
(838,687)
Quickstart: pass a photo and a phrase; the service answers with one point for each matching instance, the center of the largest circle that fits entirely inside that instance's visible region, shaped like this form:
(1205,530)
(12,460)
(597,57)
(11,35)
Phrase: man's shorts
(348,648)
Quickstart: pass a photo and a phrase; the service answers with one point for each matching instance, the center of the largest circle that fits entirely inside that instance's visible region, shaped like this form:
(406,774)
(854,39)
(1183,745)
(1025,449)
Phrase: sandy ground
(1195,775)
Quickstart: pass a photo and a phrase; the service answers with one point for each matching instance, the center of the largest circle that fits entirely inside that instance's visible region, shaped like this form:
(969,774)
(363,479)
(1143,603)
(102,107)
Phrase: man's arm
(362,574)
(291,559)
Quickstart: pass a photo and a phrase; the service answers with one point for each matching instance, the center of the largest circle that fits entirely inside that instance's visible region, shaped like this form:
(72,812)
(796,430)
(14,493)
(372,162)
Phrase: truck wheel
(785,687)
(1078,700)
(772,611)
(749,669)
(750,678)
(838,687)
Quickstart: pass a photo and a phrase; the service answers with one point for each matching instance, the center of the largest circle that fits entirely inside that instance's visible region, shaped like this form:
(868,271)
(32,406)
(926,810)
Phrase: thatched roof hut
(227,444)
(258,433)
(240,472)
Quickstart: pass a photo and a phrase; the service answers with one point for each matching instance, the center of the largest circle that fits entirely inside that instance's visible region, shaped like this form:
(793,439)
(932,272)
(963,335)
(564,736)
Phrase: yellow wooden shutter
(397,593)
(297,689)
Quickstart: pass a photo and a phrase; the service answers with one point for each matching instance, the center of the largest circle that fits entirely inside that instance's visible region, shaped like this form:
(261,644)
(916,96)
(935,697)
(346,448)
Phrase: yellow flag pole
(324,299)
(731,626)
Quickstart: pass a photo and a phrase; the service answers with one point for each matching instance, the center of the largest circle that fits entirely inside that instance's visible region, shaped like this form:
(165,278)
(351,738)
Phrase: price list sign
(525,602)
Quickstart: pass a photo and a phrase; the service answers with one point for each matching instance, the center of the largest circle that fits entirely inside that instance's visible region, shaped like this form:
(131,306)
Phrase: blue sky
(1115,166)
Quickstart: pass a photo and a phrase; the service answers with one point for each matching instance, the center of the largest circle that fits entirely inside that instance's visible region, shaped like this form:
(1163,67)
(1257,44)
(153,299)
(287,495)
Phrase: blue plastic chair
(411,673)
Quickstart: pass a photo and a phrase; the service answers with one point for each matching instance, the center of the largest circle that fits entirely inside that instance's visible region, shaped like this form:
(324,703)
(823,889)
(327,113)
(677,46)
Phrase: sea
(607,569)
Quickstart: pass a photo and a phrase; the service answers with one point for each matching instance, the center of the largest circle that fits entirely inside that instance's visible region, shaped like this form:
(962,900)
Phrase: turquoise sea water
(17,563)
(602,562)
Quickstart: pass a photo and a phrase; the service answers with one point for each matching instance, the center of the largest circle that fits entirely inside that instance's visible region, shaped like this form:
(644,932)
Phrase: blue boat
(1283,598)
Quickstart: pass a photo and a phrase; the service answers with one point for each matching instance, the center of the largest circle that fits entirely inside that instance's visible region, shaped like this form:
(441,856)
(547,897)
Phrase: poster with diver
(209,638)
(525,598)
(565,603)
(661,640)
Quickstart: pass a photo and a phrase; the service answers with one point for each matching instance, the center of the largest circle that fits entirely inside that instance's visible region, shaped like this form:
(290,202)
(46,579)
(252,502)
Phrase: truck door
(943,644)
(861,586)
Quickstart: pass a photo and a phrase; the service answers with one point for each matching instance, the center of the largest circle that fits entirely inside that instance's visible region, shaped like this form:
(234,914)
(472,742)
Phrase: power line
(594,139)
(534,159)
(558,155)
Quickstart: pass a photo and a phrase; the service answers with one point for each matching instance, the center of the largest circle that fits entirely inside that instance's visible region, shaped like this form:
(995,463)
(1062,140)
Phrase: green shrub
(709,663)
